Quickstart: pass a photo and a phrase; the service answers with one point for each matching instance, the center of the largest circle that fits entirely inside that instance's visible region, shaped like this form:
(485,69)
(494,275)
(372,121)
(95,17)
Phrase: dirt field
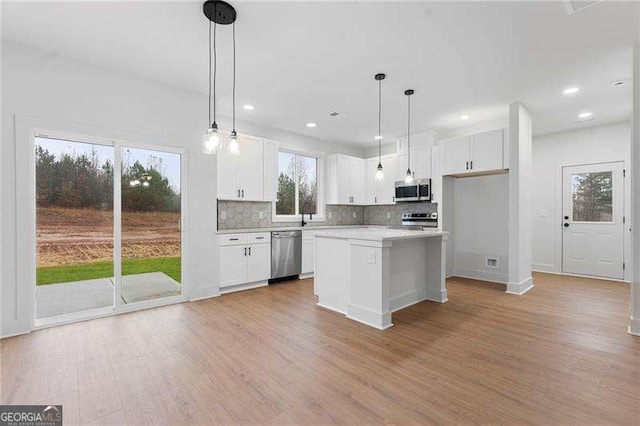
(71,236)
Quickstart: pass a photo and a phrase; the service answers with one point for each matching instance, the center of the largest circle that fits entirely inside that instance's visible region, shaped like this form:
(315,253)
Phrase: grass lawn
(89,271)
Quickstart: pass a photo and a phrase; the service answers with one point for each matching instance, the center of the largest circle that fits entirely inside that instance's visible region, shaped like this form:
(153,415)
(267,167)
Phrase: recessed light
(311,124)
(585,115)
(378,137)
(571,90)
(249,107)
(464,117)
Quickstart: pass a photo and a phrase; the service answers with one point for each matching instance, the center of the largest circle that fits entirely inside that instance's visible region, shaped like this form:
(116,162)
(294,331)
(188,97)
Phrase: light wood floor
(558,355)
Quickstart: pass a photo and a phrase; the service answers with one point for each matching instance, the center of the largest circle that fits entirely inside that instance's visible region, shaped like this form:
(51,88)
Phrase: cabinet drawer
(232,239)
(262,237)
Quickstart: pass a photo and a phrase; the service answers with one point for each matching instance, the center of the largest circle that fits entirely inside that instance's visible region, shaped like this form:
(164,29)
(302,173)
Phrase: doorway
(108,227)
(593,220)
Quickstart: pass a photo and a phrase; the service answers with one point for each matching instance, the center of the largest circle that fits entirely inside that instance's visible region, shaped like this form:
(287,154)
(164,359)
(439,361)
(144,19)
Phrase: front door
(593,214)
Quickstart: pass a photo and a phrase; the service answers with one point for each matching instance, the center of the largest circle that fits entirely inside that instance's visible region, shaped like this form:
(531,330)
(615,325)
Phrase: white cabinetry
(345,179)
(421,144)
(251,176)
(244,259)
(473,154)
(380,192)
(308,253)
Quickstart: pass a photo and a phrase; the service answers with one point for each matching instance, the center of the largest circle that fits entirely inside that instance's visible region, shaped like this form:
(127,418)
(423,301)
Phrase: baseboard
(242,287)
(520,288)
(634,327)
(202,293)
(475,274)
(363,315)
(583,276)
(407,299)
(439,296)
(329,308)
(305,276)
(545,267)
(20,333)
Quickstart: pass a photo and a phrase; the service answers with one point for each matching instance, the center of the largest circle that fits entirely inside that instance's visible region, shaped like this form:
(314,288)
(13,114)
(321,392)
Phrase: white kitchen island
(367,274)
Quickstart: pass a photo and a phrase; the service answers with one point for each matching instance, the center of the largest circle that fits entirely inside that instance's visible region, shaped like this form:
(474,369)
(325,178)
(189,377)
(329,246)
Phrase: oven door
(406,192)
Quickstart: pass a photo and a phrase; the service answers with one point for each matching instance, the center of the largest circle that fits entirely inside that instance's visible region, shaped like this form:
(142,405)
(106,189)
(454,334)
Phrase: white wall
(54,93)
(480,228)
(550,153)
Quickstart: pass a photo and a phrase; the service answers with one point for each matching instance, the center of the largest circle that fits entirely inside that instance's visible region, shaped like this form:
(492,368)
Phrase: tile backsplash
(247,214)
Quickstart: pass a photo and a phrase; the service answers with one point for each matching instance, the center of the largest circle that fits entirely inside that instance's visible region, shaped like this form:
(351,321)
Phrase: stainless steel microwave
(419,190)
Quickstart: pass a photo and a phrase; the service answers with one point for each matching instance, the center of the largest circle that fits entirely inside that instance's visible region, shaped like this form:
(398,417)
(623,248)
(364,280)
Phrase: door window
(592,196)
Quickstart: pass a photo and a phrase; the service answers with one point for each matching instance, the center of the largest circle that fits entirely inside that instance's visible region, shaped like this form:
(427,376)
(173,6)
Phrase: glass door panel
(151,225)
(74,227)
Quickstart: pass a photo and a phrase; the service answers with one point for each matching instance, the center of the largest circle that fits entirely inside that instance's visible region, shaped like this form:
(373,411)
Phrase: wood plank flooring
(558,355)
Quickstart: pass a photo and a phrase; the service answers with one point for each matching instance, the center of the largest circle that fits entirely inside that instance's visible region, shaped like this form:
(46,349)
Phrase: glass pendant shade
(211,141)
(234,146)
(379,173)
(408,179)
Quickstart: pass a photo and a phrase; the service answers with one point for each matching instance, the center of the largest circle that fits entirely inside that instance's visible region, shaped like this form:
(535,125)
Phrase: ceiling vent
(337,116)
(575,6)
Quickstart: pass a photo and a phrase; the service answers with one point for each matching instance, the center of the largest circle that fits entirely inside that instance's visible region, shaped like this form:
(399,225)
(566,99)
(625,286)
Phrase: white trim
(590,277)
(634,327)
(521,288)
(242,287)
(379,320)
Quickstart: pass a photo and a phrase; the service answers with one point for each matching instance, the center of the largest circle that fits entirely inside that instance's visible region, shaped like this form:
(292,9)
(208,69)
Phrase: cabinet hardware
(471,165)
(259,238)
(375,199)
(238,193)
(234,239)
(467,165)
(243,193)
(245,251)
(249,251)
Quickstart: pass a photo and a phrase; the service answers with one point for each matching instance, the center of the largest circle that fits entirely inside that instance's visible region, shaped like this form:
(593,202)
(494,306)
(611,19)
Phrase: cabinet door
(357,180)
(421,163)
(371,184)
(343,175)
(401,166)
(455,156)
(387,188)
(251,169)
(270,183)
(227,175)
(486,151)
(258,262)
(233,266)
(308,254)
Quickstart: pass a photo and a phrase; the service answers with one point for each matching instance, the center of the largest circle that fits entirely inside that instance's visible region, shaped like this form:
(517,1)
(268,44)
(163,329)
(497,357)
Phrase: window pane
(285,205)
(307,181)
(592,197)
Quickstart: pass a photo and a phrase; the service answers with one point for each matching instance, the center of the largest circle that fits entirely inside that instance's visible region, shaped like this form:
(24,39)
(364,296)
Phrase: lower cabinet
(308,252)
(244,258)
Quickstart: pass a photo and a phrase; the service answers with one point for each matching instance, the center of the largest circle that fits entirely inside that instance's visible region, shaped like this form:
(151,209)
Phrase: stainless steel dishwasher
(286,254)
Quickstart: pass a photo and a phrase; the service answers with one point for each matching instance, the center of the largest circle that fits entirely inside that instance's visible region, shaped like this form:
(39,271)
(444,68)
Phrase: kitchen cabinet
(308,252)
(244,258)
(380,192)
(480,153)
(420,163)
(345,179)
(251,176)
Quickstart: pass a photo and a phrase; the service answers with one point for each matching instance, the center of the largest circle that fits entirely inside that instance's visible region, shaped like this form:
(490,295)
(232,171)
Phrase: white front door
(593,214)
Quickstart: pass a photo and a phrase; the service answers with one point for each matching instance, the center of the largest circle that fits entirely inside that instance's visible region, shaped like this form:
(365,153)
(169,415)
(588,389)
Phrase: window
(592,197)
(297,185)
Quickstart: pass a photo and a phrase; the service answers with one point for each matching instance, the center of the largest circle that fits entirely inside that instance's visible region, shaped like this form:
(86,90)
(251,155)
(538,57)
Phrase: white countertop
(297,228)
(381,234)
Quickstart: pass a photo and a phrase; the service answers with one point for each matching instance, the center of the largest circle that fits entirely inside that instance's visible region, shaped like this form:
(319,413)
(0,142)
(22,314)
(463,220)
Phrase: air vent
(618,84)
(492,262)
(334,114)
(575,6)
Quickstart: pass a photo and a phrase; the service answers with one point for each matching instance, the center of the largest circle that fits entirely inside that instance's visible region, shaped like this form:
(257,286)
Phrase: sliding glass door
(108,227)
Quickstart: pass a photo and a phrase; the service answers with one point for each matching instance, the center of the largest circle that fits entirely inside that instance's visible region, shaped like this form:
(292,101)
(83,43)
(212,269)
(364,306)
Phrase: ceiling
(297,62)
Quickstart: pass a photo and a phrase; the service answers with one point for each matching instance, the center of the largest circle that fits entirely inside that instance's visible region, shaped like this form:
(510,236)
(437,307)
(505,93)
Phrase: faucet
(307,204)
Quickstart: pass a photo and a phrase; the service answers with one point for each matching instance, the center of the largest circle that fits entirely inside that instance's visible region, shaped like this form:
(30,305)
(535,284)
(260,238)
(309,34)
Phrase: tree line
(83,181)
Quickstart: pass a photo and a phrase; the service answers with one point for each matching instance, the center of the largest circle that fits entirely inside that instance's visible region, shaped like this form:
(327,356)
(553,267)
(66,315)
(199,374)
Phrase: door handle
(566,218)
(566,225)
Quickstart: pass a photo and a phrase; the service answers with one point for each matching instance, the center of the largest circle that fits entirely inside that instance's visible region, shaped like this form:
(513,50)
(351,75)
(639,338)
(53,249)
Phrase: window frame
(319,216)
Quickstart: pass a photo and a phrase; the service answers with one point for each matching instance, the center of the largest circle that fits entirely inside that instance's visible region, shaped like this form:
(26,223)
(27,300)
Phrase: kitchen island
(367,274)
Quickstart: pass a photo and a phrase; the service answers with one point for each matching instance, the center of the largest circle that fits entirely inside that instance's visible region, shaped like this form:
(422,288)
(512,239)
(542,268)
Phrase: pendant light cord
(379,121)
(409,134)
(234,76)
(215,68)
(209,121)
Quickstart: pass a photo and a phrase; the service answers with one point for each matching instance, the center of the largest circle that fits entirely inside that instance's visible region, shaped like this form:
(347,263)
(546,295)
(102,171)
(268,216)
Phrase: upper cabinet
(420,161)
(250,176)
(345,179)
(481,153)
(380,192)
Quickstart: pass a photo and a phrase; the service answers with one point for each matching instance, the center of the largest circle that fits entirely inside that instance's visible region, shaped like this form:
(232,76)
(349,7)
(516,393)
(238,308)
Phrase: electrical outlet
(330,215)
(354,214)
(372,256)
(261,215)
(223,215)
(388,215)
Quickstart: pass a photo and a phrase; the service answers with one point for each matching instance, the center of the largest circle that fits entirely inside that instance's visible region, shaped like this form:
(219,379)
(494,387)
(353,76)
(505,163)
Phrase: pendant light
(234,146)
(217,12)
(409,176)
(379,172)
